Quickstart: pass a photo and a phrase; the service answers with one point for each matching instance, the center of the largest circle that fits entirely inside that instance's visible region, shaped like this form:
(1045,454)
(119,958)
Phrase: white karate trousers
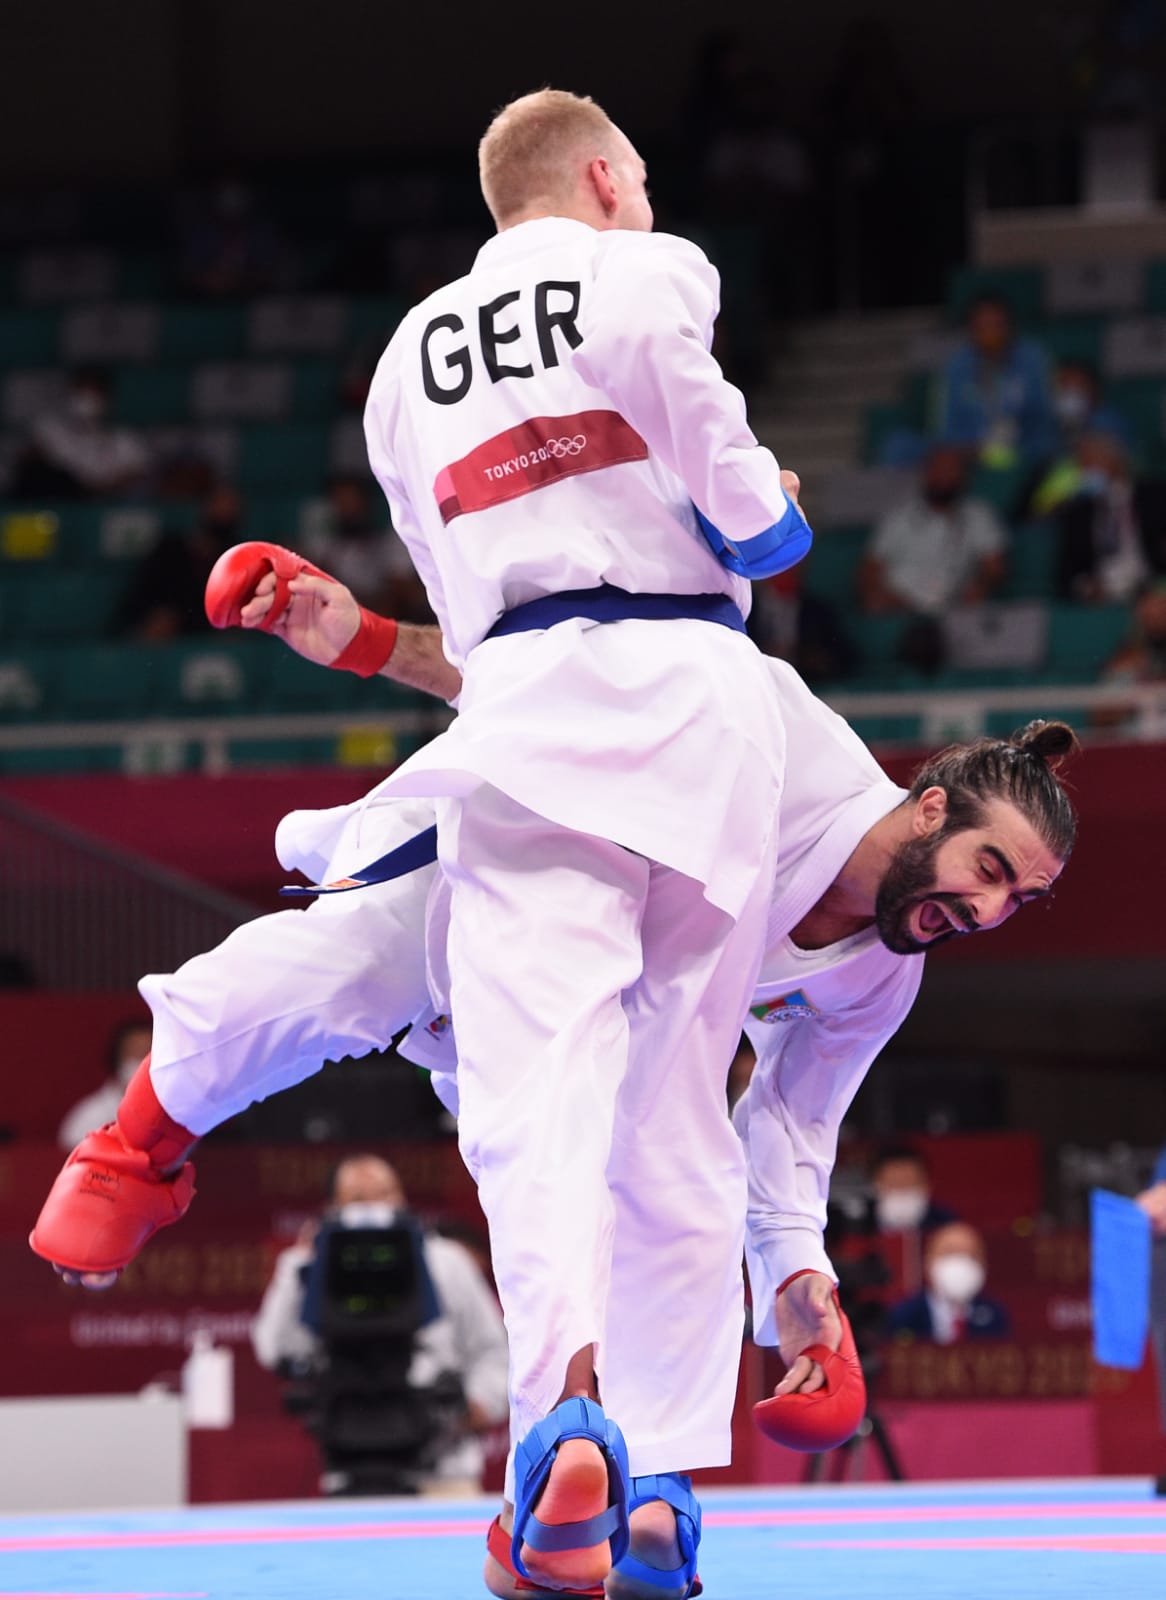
(283,994)
(598,998)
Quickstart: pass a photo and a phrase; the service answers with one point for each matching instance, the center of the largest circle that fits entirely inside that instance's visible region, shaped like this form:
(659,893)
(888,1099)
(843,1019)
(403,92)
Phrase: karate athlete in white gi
(869,875)
(561,453)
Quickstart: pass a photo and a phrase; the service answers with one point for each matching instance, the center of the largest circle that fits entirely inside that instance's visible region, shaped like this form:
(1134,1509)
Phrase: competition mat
(1064,1540)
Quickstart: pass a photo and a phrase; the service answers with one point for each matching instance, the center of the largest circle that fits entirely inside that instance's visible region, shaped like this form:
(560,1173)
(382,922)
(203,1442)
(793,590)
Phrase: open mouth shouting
(935,920)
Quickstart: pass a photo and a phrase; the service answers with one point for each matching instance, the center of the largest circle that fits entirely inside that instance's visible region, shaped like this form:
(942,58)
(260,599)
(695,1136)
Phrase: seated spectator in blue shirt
(951,1307)
(995,396)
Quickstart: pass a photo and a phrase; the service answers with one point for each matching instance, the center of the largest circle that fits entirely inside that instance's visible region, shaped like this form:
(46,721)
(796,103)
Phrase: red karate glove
(830,1415)
(233,582)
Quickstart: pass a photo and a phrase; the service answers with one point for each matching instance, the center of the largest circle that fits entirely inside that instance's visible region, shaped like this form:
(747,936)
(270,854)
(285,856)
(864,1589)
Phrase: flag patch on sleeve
(785,1008)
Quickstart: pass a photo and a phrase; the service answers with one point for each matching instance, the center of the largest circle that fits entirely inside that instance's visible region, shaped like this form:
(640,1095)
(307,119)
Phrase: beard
(908,882)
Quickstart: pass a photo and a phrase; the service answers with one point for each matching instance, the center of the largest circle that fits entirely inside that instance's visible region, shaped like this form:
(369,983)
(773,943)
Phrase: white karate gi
(609,794)
(288,991)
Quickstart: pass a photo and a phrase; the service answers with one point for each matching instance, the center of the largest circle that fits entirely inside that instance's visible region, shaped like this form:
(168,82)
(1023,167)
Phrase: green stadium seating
(108,681)
(1022,287)
(203,333)
(27,682)
(1032,560)
(832,566)
(317,389)
(206,676)
(152,394)
(1156,286)
(29,338)
(284,457)
(373,319)
(1141,401)
(1082,638)
(1074,339)
(297,685)
(59,604)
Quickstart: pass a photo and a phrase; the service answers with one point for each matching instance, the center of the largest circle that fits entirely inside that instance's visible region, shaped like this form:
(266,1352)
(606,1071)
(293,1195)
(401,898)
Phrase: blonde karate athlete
(868,877)
(574,480)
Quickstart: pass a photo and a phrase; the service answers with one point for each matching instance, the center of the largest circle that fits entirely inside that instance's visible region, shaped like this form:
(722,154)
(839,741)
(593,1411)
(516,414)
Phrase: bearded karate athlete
(868,878)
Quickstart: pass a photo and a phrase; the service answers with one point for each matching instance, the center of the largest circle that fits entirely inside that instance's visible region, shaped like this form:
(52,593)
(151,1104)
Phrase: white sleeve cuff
(773,1254)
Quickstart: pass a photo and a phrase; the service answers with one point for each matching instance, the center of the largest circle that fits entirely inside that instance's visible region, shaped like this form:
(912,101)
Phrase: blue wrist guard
(781,545)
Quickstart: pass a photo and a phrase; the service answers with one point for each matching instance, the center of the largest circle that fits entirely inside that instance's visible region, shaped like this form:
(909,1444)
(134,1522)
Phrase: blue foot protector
(675,1489)
(576,1418)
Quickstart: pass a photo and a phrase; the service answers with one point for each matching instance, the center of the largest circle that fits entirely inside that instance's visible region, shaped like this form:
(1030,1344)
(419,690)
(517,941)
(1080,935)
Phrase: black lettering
(492,337)
(546,320)
(457,360)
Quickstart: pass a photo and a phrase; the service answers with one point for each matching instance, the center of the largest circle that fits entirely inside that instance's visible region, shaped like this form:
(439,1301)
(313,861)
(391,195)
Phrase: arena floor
(984,1541)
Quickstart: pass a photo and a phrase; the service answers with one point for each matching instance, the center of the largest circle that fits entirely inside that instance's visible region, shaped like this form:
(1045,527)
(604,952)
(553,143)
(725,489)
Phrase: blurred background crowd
(943,254)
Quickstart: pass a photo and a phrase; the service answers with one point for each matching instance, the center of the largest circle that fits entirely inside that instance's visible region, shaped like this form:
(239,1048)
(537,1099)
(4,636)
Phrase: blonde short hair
(532,151)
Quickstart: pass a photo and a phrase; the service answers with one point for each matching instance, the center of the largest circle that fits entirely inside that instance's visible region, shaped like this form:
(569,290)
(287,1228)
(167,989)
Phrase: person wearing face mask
(995,398)
(76,453)
(129,1043)
(951,1307)
(1111,532)
(935,550)
(466,1337)
(901,1193)
(1080,411)
(164,596)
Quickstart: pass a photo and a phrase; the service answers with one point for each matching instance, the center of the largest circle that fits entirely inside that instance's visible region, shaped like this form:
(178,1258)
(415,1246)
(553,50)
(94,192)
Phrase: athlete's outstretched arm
(322,618)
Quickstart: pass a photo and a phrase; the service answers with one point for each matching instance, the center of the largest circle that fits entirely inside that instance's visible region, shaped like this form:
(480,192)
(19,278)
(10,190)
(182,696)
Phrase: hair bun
(1050,742)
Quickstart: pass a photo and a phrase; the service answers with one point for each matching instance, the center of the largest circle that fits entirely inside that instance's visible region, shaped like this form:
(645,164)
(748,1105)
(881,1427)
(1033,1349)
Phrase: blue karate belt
(605,603)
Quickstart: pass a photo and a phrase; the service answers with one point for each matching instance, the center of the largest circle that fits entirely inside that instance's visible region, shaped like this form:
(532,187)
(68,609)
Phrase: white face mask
(1071,405)
(899,1209)
(957,1277)
(367,1214)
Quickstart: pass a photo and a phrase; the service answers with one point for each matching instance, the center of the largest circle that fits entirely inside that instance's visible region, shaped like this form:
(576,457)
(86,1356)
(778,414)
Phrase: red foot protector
(236,575)
(829,1416)
(498,1544)
(119,1186)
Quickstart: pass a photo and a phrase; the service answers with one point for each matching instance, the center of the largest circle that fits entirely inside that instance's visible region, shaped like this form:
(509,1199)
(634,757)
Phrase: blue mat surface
(1071,1540)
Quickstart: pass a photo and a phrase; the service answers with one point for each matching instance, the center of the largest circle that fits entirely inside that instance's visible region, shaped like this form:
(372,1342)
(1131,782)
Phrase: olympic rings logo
(566,447)
(552,450)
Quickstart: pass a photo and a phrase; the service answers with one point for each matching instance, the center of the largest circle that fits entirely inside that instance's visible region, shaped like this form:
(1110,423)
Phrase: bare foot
(576,1490)
(654,1542)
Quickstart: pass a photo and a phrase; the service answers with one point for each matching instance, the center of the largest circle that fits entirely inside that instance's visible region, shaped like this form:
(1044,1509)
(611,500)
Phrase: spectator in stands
(1111,533)
(357,546)
(226,248)
(1080,410)
(74,452)
(951,1307)
(936,550)
(1142,659)
(129,1042)
(995,395)
(467,1338)
(1079,404)
(900,1181)
(165,595)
